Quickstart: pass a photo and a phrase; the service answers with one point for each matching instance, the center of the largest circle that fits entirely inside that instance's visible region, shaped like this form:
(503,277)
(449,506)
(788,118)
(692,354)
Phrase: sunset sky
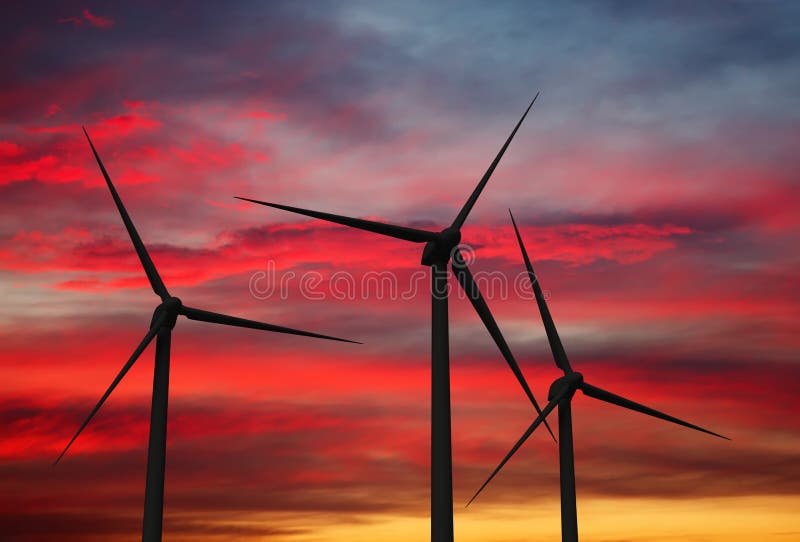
(655,183)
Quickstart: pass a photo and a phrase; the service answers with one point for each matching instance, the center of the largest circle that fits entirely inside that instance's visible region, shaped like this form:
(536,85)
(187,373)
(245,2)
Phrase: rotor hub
(171,307)
(441,248)
(571,381)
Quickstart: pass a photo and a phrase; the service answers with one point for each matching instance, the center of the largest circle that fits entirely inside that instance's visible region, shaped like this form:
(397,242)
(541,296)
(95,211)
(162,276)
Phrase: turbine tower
(440,247)
(560,395)
(164,318)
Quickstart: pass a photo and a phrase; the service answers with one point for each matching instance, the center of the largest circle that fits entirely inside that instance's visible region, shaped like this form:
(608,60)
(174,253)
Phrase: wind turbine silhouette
(561,393)
(440,247)
(164,318)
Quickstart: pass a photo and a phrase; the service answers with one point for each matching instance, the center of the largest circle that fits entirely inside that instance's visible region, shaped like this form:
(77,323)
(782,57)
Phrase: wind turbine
(561,393)
(164,318)
(440,248)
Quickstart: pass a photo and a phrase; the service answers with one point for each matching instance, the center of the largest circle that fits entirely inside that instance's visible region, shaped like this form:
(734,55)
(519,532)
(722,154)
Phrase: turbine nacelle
(170,308)
(571,382)
(440,249)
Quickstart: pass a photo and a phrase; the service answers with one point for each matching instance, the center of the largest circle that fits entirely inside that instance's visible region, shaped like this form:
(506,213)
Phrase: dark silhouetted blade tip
(559,356)
(470,287)
(398,232)
(217,318)
(149,268)
(547,409)
(125,368)
(608,397)
(473,198)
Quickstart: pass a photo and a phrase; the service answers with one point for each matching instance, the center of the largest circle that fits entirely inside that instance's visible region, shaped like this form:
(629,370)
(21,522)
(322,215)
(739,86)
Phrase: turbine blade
(398,232)
(559,356)
(144,257)
(547,409)
(125,368)
(216,318)
(470,287)
(462,215)
(608,397)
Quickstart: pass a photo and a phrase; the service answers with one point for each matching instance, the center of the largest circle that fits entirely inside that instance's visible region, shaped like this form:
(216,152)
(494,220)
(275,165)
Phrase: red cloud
(53,109)
(48,168)
(266,116)
(287,244)
(98,21)
(133,104)
(118,125)
(124,124)
(9,149)
(77,21)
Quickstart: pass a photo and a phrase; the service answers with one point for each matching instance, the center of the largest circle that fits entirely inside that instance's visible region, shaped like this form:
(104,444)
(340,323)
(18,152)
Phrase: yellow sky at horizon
(709,519)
